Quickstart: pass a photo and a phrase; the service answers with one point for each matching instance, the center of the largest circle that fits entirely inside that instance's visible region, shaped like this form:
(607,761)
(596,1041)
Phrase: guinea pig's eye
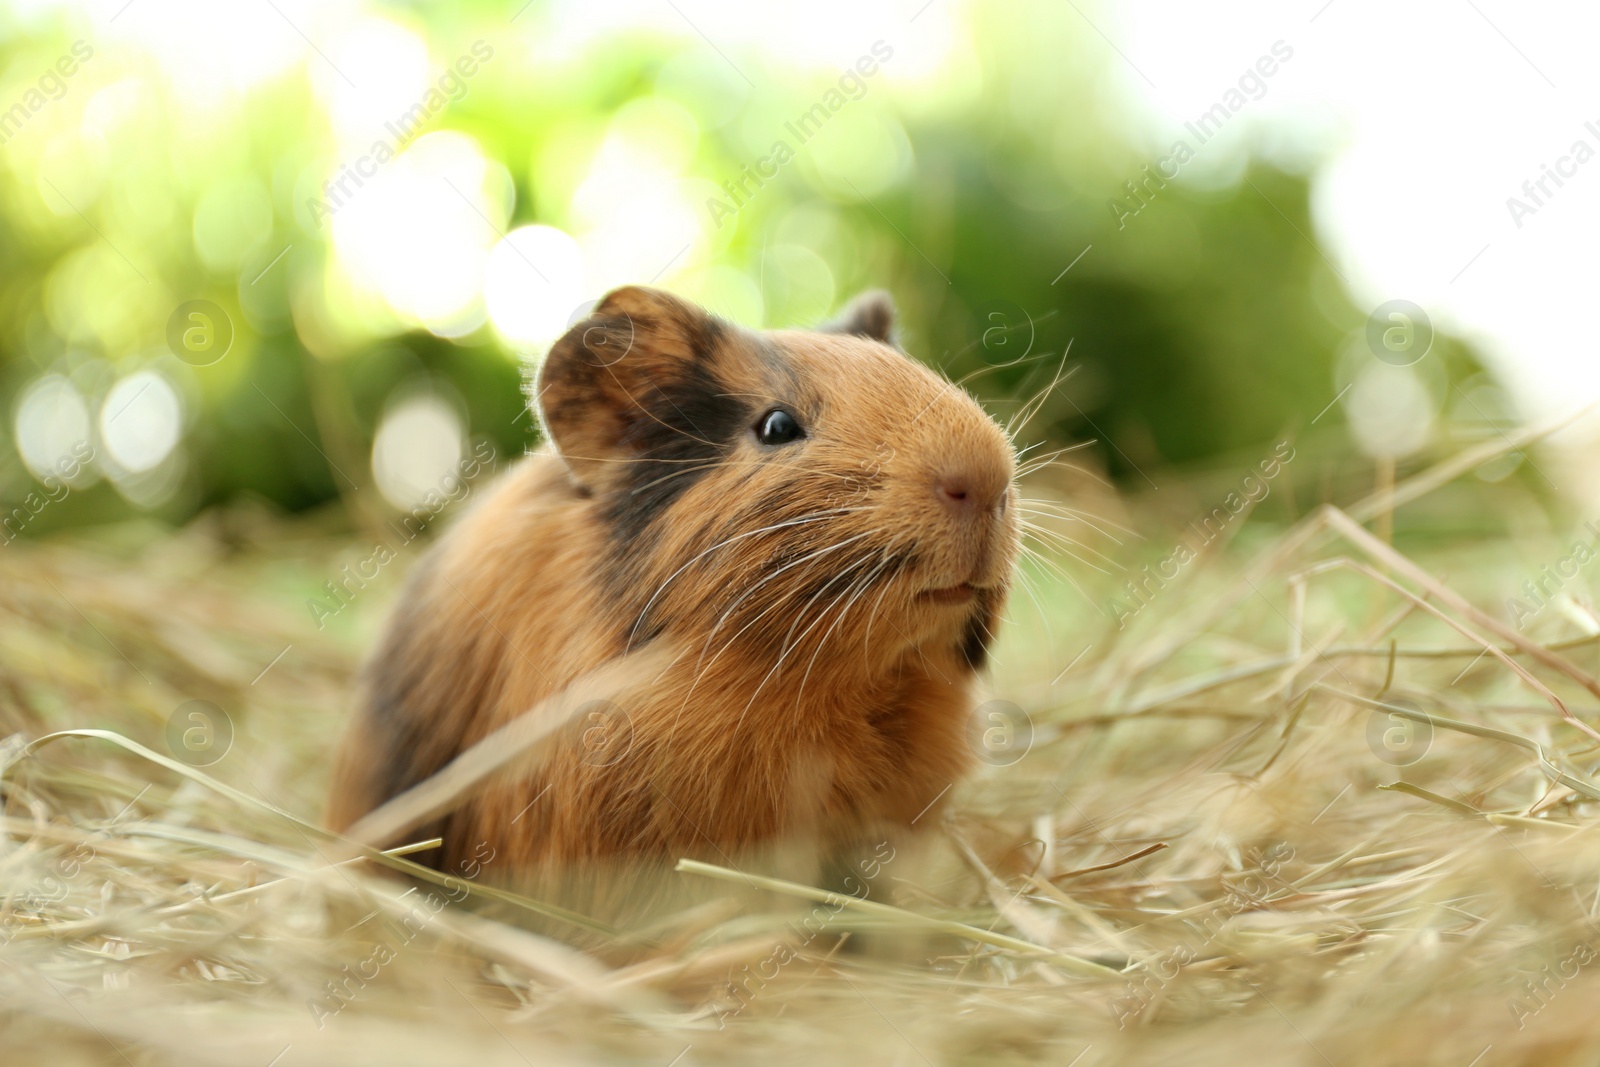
(778,427)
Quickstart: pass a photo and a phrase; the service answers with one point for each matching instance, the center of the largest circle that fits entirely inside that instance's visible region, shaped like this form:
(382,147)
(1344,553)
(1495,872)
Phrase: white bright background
(1428,115)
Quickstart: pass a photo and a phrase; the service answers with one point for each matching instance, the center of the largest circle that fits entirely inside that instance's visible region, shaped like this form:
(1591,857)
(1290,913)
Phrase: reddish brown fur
(814,688)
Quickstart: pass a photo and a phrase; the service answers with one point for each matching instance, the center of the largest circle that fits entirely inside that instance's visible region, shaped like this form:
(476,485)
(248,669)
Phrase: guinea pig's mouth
(954,594)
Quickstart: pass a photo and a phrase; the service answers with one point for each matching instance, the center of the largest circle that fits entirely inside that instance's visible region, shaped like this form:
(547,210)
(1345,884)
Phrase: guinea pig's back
(497,615)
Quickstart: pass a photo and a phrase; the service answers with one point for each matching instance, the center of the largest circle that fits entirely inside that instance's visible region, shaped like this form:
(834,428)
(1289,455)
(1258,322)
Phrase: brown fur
(814,688)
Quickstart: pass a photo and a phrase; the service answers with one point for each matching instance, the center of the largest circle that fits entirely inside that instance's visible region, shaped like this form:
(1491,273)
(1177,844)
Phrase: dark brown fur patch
(685,426)
(976,637)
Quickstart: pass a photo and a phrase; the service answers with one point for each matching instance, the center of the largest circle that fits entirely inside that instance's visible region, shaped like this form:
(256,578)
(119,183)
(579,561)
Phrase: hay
(1203,853)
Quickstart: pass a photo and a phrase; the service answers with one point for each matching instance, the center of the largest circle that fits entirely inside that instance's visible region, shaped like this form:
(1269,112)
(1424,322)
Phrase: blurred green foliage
(1205,323)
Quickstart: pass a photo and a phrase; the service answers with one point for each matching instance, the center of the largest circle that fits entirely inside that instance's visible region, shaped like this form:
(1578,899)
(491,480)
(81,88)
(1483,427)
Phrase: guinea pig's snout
(964,506)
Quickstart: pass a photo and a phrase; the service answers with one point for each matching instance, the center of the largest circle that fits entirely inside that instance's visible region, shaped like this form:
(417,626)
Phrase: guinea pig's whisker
(1050,516)
(1070,580)
(1032,407)
(704,466)
(861,586)
(799,463)
(790,642)
(1044,459)
(770,607)
(1019,419)
(846,574)
(782,600)
(1026,581)
(1060,451)
(1044,561)
(1022,453)
(988,632)
(642,459)
(1033,506)
(1086,472)
(703,666)
(1033,554)
(1053,537)
(1049,565)
(1076,446)
(1060,541)
(872,617)
(701,671)
(812,472)
(1032,585)
(978,340)
(1067,509)
(815,516)
(1019,361)
(1030,469)
(857,589)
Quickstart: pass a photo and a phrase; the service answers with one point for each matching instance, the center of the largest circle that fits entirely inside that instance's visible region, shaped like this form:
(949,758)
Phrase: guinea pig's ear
(870,315)
(623,376)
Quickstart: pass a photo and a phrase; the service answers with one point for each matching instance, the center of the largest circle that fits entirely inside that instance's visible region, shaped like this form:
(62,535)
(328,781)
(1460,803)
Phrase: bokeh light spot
(141,421)
(52,420)
(534,279)
(417,448)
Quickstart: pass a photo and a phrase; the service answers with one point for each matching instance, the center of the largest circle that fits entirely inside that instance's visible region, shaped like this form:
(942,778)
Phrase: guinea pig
(818,532)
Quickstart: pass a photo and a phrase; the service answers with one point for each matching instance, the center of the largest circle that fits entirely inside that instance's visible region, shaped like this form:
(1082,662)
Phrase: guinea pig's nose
(953,491)
(963,494)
